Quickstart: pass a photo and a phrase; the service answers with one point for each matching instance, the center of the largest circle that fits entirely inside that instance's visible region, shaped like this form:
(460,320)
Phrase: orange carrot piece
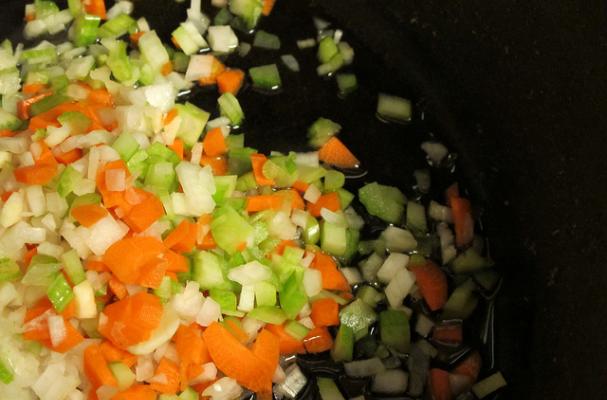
(438,381)
(88,214)
(462,221)
(95,7)
(170,116)
(69,156)
(175,262)
(72,338)
(131,320)
(267,349)
(136,392)
(332,278)
(38,174)
(214,144)
(167,68)
(449,334)
(118,288)
(280,249)
(451,192)
(127,257)
(96,265)
(230,81)
(70,310)
(219,164)
(183,237)
(257,161)
(300,186)
(170,371)
(6,195)
(216,68)
(112,353)
(190,345)
(7,133)
(136,36)
(470,366)
(336,153)
(235,360)
(23,107)
(268,5)
(325,312)
(100,98)
(330,201)
(318,340)
(27,258)
(432,283)
(96,369)
(177,147)
(33,88)
(151,274)
(208,242)
(287,344)
(264,202)
(144,214)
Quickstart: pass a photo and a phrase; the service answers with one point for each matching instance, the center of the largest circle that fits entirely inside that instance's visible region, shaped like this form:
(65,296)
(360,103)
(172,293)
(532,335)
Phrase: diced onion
(209,312)
(391,266)
(435,151)
(223,389)
(362,368)
(57,331)
(312,282)
(312,194)
(392,381)
(209,373)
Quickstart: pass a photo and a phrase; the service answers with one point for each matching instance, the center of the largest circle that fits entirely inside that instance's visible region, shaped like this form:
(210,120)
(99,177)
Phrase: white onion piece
(251,327)
(399,287)
(247,298)
(209,312)
(209,373)
(294,382)
(391,381)
(250,273)
(352,275)
(362,368)
(188,303)
(398,239)
(312,194)
(223,389)
(57,330)
(312,282)
(435,151)
(394,263)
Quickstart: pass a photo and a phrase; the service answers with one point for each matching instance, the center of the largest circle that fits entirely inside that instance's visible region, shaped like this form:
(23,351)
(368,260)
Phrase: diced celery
(334,180)
(331,66)
(293,255)
(328,390)
(68,180)
(125,145)
(246,182)
(394,330)
(223,17)
(86,28)
(266,77)
(393,108)
(249,11)
(6,372)
(321,131)
(239,159)
(489,385)
(462,302)
(193,121)
(416,217)
(157,151)
(137,164)
(44,8)
(60,293)
(164,291)
(225,298)
(352,239)
(369,295)
(269,314)
(189,394)
(89,198)
(119,62)
(344,344)
(292,294)
(188,38)
(385,202)
(297,330)
(357,315)
(207,271)
(325,294)
(40,55)
(123,374)
(117,26)
(265,294)
(47,103)
(161,177)
(230,107)
(9,270)
(487,279)
(311,233)
(333,238)
(346,83)
(469,261)
(75,6)
(327,49)
(235,141)
(73,266)
(77,121)
(180,61)
(224,187)
(230,230)
(266,40)
(153,50)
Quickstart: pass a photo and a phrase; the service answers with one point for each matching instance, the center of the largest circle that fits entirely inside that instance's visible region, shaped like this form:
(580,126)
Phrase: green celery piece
(352,239)
(331,66)
(239,160)
(46,55)
(385,202)
(68,180)
(265,294)
(297,330)
(246,182)
(138,163)
(189,394)
(60,293)
(328,390)
(321,131)
(223,17)
(334,180)
(230,230)
(357,315)
(73,266)
(248,11)
(77,121)
(161,152)
(292,294)
(44,8)
(347,83)
(416,217)
(237,204)
(207,271)
(369,295)
(47,103)
(462,302)
(76,7)
(235,141)
(344,344)
(311,234)
(236,260)
(345,198)
(333,239)
(125,145)
(164,291)
(6,372)
(119,62)
(293,255)
(123,374)
(180,61)
(117,26)
(266,77)
(193,121)
(469,261)
(89,198)
(327,49)
(225,298)
(161,177)
(59,83)
(268,314)
(9,270)
(266,40)
(224,187)
(9,121)
(230,107)
(86,29)
(394,330)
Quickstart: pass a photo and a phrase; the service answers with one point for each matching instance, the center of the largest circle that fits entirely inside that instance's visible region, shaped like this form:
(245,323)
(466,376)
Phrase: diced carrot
(127,258)
(41,173)
(69,156)
(177,147)
(332,278)
(6,195)
(438,381)
(170,371)
(216,68)
(300,186)
(264,202)
(325,312)
(7,133)
(336,153)
(170,116)
(95,7)
(192,351)
(287,344)
(27,258)
(236,361)
(292,198)
(200,387)
(268,5)
(88,214)
(470,366)
(144,214)
(100,98)
(257,161)
(230,81)
(41,306)
(451,192)
(167,68)
(183,237)
(207,243)
(449,334)
(219,164)
(131,320)
(33,88)
(70,310)
(267,349)
(96,265)
(136,392)
(318,340)
(136,36)
(152,274)
(71,340)
(30,16)
(23,107)
(118,288)
(330,201)
(214,143)
(175,262)
(235,328)
(462,220)
(432,283)
(96,368)
(112,353)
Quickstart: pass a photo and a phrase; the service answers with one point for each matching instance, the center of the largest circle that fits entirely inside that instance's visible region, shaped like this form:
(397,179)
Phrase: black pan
(514,88)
